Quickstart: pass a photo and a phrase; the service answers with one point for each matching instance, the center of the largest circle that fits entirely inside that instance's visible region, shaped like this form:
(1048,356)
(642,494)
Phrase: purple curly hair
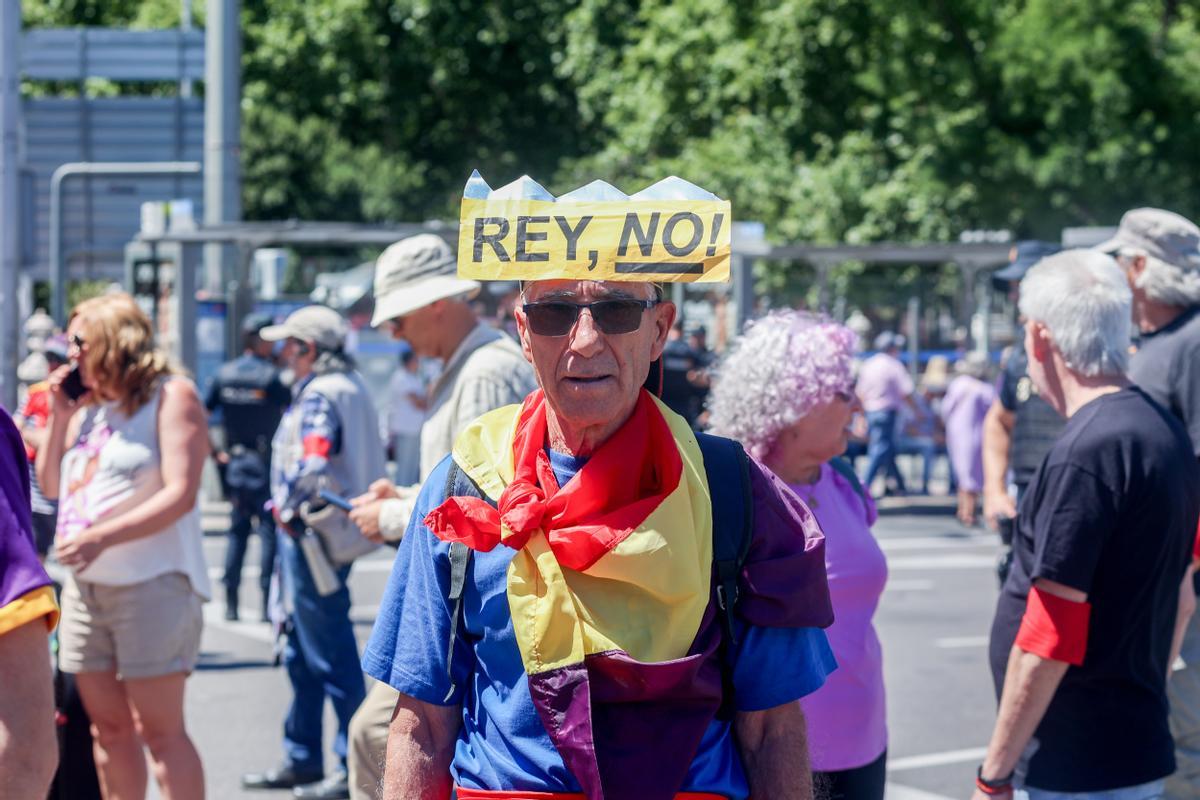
(783,366)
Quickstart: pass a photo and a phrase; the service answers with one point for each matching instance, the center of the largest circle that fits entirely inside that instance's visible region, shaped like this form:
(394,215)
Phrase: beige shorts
(143,630)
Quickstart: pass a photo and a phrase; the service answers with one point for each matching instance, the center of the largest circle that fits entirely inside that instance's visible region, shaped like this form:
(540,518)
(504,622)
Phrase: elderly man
(1083,628)
(1160,254)
(28,751)
(328,439)
(418,296)
(564,616)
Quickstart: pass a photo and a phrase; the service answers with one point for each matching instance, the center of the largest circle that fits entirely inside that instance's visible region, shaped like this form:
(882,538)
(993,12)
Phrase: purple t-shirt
(24,592)
(847,725)
(963,408)
(883,383)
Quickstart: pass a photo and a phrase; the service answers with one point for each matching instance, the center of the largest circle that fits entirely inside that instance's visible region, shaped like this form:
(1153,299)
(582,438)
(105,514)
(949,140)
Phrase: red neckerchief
(622,483)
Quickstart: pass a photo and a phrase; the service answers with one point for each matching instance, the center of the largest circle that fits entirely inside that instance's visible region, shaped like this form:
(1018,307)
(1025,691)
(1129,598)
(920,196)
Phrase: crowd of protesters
(1082,455)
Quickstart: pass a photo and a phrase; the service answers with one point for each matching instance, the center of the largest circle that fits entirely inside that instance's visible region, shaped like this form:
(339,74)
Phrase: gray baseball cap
(413,273)
(1163,234)
(319,324)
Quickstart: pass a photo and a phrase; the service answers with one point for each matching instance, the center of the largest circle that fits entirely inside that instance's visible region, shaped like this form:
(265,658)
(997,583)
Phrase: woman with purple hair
(786,392)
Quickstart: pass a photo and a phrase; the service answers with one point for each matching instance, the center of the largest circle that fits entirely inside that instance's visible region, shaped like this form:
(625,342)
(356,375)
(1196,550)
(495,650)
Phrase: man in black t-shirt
(1083,626)
(1159,252)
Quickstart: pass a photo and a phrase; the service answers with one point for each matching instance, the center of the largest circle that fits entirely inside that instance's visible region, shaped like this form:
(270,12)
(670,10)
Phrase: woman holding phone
(126,442)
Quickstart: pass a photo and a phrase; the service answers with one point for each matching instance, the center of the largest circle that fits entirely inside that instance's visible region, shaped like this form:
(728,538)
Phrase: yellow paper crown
(669,232)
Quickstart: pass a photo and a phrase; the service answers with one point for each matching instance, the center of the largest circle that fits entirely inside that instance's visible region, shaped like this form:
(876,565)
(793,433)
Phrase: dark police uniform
(1036,426)
(251,396)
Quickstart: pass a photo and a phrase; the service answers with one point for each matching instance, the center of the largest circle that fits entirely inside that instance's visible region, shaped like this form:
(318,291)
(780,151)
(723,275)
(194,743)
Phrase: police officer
(1020,426)
(251,396)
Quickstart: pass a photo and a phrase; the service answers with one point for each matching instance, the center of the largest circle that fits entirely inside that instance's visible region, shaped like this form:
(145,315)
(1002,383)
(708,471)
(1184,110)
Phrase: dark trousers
(861,783)
(248,516)
(321,659)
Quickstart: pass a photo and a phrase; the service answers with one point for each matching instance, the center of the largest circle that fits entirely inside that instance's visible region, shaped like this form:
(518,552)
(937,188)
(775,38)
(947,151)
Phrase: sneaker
(286,776)
(334,787)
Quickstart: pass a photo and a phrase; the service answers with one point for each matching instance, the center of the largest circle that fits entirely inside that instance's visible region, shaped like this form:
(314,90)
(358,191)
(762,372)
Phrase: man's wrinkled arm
(419,750)
(774,748)
(28,747)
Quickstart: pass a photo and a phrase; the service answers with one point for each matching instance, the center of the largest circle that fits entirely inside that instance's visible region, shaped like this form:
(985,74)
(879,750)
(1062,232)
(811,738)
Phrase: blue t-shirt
(502,744)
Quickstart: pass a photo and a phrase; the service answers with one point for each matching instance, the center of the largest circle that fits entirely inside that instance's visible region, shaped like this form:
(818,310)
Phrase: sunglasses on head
(557,317)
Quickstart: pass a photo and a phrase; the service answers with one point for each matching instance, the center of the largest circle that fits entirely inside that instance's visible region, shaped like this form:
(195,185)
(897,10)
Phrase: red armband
(316,446)
(1054,627)
(1196,545)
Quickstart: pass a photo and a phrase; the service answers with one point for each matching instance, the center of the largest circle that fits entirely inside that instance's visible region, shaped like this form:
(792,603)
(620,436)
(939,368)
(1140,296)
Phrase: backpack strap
(842,467)
(726,465)
(458,484)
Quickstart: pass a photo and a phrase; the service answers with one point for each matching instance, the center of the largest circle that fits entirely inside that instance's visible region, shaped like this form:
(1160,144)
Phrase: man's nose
(586,338)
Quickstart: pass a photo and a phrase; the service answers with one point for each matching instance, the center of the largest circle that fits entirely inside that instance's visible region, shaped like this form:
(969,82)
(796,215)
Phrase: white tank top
(115,466)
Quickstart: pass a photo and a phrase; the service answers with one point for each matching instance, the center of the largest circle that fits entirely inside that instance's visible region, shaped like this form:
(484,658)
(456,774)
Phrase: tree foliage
(829,120)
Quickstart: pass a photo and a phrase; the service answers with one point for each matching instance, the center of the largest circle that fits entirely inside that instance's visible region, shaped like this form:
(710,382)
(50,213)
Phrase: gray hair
(1084,300)
(1165,283)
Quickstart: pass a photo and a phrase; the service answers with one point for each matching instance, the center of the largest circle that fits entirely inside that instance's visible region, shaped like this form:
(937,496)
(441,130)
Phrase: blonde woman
(124,460)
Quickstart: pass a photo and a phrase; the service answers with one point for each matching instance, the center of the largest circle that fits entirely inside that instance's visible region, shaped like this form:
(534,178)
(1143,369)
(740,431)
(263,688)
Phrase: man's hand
(382,489)
(979,795)
(221,457)
(79,551)
(366,516)
(997,504)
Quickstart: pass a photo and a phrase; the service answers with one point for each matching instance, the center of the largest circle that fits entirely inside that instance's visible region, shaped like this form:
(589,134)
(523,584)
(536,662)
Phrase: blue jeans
(321,659)
(1144,791)
(881,447)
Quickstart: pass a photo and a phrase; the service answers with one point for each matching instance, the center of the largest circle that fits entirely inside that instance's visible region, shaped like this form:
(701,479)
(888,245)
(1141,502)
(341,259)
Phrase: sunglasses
(556,318)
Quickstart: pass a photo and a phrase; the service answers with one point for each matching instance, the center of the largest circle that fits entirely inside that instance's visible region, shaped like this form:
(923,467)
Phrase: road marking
(956,561)
(936,759)
(952,642)
(938,543)
(214,617)
(361,565)
(894,791)
(914,585)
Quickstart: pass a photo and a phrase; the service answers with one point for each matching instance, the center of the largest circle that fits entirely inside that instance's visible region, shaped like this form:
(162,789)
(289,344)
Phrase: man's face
(419,328)
(591,377)
(299,356)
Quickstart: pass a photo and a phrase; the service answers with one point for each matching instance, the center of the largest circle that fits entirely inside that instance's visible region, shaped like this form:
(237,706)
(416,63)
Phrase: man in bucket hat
(566,615)
(1159,252)
(419,296)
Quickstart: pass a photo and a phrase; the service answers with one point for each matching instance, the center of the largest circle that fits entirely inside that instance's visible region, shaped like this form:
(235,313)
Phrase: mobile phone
(336,500)
(72,385)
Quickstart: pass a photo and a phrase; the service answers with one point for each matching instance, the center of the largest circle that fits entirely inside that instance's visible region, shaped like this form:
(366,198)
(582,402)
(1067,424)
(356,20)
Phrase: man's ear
(523,332)
(664,318)
(1137,265)
(1043,345)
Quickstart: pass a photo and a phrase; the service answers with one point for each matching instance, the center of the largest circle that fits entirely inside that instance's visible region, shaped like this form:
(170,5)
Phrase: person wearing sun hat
(420,298)
(328,439)
(1159,252)
(565,615)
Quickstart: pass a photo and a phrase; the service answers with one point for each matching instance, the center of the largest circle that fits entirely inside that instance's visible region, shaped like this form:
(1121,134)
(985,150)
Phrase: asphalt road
(933,620)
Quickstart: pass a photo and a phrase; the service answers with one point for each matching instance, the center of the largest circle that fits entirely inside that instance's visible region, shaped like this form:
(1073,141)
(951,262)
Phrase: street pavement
(933,620)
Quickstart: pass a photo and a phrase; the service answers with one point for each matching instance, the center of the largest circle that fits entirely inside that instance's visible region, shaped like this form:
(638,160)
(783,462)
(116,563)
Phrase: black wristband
(996,784)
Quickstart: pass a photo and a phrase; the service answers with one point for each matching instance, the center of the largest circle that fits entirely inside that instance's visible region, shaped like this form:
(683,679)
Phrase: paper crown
(671,231)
